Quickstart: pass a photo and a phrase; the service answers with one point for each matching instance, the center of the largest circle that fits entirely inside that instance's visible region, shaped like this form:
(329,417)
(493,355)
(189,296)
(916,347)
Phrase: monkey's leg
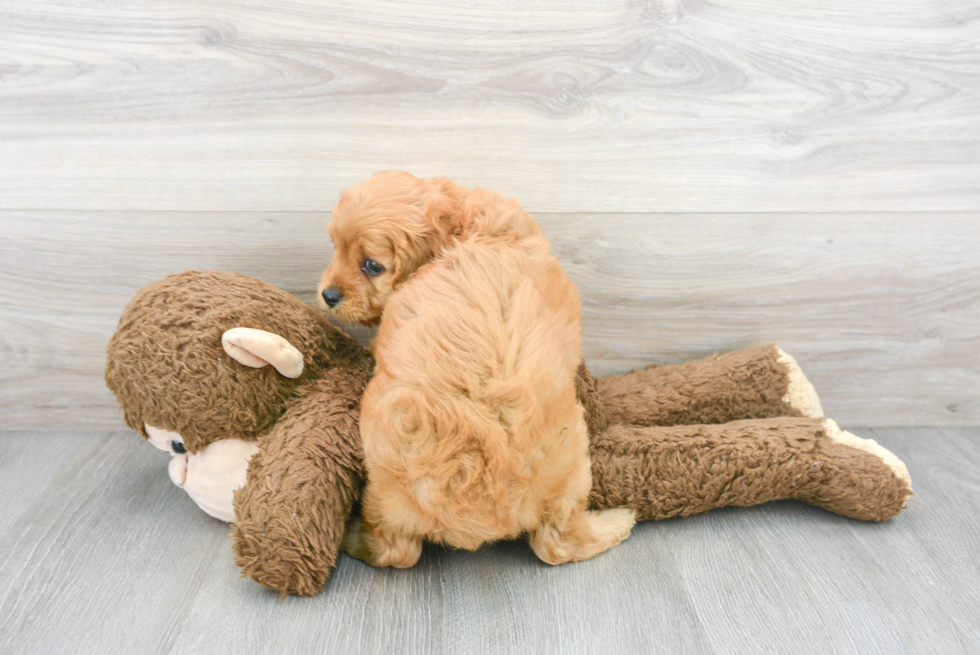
(663,472)
(762,382)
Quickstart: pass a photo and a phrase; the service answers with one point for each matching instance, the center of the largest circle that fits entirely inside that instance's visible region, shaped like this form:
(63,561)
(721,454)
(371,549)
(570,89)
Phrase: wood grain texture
(606,106)
(102,554)
(882,311)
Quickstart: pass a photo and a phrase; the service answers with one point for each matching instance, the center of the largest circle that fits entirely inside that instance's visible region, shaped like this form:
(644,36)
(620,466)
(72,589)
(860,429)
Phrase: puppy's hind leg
(574,533)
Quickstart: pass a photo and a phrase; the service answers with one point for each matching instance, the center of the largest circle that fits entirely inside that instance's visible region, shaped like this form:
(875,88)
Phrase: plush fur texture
(668,441)
(691,469)
(471,427)
(168,369)
(301,485)
(749,383)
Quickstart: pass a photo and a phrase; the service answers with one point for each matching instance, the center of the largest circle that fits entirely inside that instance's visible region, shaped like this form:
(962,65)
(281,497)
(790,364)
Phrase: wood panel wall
(712,174)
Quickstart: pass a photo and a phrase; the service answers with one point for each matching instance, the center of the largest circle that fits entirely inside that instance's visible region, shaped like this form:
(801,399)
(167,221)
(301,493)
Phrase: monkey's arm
(662,472)
(301,485)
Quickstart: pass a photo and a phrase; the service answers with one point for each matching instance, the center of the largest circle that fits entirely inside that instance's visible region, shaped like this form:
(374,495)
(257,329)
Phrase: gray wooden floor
(100,553)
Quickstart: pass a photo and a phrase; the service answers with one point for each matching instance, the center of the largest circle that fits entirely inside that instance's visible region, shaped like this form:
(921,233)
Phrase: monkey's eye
(178,447)
(372,267)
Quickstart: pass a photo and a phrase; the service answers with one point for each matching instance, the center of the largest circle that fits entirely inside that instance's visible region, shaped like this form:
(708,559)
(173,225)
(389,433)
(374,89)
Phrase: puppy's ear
(443,207)
(258,348)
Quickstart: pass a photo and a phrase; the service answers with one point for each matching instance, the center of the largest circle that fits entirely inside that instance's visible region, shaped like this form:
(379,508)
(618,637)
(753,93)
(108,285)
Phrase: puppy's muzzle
(332,296)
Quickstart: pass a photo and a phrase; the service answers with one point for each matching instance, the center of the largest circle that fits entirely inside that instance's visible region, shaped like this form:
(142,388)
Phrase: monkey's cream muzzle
(211,477)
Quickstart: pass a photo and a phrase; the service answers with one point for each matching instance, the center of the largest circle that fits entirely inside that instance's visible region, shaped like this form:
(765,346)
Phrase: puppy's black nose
(332,296)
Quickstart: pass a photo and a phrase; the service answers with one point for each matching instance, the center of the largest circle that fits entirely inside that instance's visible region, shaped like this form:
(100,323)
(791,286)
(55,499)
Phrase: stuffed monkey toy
(255,395)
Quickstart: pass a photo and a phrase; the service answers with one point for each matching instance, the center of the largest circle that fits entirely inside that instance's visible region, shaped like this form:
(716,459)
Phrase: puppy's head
(383,230)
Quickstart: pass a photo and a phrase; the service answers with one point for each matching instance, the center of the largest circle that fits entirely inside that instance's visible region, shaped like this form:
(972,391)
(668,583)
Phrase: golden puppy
(471,427)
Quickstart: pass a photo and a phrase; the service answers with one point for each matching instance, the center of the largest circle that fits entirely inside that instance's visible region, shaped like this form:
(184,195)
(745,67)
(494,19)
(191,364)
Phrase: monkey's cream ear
(258,348)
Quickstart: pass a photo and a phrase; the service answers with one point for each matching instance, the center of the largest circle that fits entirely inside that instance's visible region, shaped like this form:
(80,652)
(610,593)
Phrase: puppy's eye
(372,267)
(178,447)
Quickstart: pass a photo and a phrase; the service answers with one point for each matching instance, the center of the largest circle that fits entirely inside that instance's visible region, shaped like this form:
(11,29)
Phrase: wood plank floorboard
(100,553)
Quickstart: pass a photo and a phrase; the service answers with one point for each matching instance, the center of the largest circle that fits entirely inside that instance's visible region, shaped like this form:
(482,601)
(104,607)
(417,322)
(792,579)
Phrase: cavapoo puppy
(471,427)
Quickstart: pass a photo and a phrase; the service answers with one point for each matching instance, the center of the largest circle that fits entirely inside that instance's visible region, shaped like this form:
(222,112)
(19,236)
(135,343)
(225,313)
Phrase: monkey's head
(205,363)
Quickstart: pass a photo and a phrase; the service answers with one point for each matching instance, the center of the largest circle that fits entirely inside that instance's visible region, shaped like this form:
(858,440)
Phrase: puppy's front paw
(381,548)
(354,543)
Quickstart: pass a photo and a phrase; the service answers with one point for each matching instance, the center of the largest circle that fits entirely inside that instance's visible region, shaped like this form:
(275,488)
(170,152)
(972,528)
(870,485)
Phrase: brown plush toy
(256,394)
